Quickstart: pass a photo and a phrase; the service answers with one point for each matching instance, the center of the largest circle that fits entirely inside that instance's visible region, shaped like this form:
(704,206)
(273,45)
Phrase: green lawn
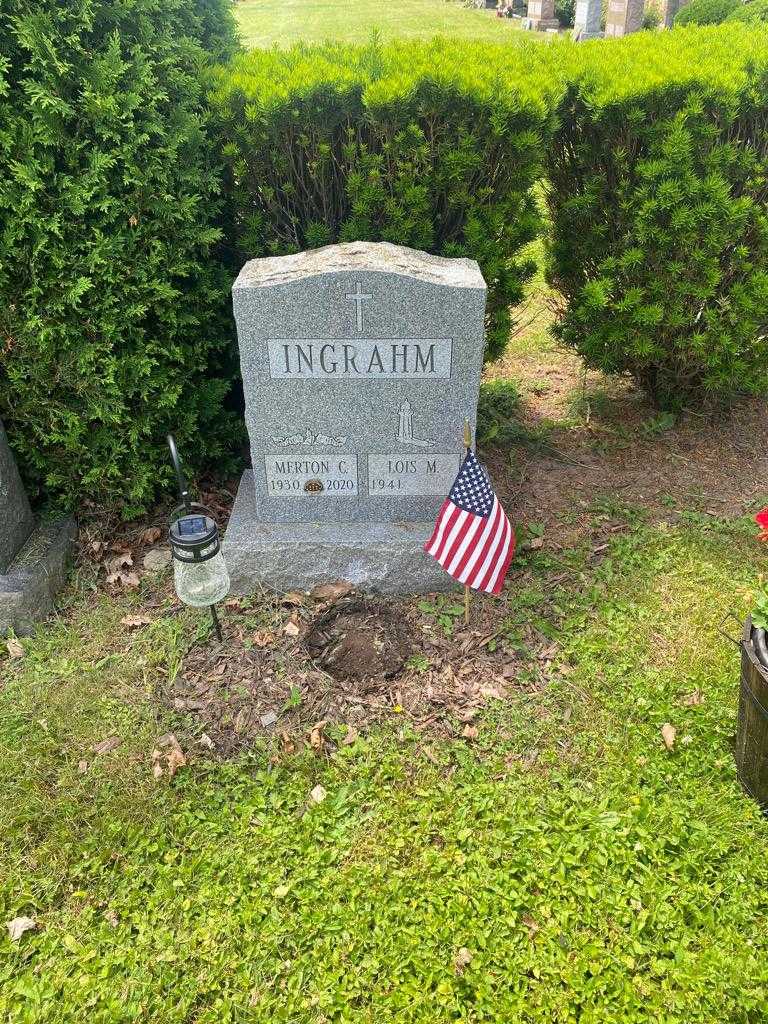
(565,867)
(561,866)
(266,22)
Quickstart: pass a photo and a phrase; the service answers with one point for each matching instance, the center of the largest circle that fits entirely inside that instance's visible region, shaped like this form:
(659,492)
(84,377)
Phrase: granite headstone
(360,363)
(669,9)
(16,521)
(33,560)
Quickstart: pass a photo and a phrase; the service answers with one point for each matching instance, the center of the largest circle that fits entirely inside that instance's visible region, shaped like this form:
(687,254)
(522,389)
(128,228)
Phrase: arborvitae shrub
(212,22)
(658,186)
(705,12)
(112,310)
(433,146)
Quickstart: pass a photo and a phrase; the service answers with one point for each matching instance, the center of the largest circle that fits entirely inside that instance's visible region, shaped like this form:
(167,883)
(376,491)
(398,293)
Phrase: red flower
(762,521)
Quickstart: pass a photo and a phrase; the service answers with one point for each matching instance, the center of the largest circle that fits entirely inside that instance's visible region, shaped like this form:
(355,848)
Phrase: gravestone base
(581,35)
(38,571)
(384,558)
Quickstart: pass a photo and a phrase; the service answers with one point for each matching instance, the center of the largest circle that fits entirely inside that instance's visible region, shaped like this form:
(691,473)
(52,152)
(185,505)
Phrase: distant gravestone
(623,17)
(360,363)
(32,561)
(541,16)
(669,8)
(586,23)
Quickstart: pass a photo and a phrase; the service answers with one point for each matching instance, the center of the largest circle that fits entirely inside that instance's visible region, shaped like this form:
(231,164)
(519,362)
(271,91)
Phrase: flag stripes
(473,540)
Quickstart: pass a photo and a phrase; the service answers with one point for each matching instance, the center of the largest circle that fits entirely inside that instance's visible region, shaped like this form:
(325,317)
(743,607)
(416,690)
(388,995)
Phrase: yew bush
(658,186)
(434,146)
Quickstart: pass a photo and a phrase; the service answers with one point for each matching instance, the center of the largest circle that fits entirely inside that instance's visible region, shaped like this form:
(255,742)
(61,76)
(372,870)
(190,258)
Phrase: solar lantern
(199,573)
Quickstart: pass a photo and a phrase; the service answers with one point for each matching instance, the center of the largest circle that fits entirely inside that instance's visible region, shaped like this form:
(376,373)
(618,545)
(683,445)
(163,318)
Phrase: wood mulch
(320,668)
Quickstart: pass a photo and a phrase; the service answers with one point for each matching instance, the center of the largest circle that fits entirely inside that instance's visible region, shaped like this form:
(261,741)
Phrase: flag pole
(468,446)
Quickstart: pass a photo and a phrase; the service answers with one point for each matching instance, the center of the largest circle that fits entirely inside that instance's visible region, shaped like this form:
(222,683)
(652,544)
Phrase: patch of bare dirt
(364,639)
(607,443)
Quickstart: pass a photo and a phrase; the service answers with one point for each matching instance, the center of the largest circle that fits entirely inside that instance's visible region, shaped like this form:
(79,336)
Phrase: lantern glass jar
(200,584)
(199,572)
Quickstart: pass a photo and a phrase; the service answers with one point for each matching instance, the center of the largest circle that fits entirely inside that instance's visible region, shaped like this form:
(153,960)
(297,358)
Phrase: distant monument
(623,17)
(360,363)
(541,16)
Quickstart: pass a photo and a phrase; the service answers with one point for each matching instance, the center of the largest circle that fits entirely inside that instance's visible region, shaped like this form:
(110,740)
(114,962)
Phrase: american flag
(473,540)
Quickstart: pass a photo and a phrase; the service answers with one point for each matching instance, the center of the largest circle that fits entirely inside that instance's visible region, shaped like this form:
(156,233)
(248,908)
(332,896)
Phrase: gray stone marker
(16,521)
(623,17)
(32,561)
(586,24)
(541,16)
(669,9)
(360,363)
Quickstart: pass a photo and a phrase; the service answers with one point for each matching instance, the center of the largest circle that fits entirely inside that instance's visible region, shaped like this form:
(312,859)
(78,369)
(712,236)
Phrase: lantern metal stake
(199,573)
(216,624)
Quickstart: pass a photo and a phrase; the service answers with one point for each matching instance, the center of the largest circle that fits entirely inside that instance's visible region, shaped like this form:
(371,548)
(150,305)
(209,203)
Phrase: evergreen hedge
(112,310)
(705,12)
(658,186)
(115,323)
(434,146)
(752,12)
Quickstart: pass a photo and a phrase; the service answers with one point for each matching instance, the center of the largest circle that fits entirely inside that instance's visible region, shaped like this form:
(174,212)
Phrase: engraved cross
(358,298)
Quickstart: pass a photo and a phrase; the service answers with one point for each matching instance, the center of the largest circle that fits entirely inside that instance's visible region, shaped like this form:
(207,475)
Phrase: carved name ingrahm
(361,359)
